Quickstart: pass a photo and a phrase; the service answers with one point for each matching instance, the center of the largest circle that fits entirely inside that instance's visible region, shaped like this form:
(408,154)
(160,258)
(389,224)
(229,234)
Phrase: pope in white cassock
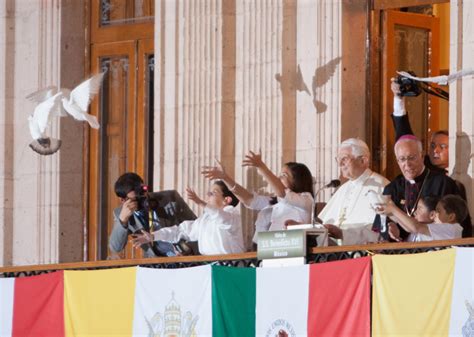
(348,215)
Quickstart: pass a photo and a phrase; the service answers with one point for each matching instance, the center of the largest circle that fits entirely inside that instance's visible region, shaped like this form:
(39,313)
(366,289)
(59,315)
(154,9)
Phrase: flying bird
(76,102)
(39,121)
(52,102)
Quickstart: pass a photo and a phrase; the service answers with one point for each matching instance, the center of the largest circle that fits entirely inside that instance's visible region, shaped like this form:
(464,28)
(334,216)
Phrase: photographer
(438,153)
(133,216)
(437,159)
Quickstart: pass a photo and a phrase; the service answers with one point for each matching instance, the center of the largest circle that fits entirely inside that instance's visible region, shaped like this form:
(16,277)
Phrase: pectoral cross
(342,215)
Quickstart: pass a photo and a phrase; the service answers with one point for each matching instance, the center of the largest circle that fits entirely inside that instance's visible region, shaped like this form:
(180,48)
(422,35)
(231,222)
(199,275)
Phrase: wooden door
(411,42)
(145,109)
(122,46)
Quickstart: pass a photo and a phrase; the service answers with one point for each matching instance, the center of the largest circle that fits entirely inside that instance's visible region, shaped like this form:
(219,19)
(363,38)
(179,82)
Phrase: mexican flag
(325,299)
(282,301)
(339,298)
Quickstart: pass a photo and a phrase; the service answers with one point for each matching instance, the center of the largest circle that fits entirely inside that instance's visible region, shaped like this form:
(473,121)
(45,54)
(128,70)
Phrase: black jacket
(402,127)
(436,184)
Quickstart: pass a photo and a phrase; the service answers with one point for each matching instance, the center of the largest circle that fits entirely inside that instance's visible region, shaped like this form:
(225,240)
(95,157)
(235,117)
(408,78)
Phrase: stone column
(188,42)
(36,195)
(461,107)
(71,232)
(260,81)
(319,96)
(240,75)
(7,82)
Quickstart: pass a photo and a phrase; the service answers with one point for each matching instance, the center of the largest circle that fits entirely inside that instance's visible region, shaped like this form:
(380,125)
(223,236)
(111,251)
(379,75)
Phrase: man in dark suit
(437,158)
(416,181)
(166,208)
(438,152)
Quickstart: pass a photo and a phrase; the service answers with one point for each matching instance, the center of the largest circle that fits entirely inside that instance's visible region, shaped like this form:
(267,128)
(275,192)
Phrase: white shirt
(438,231)
(218,231)
(293,206)
(350,209)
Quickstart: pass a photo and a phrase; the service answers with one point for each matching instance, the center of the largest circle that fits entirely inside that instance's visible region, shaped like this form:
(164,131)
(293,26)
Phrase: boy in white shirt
(450,211)
(218,230)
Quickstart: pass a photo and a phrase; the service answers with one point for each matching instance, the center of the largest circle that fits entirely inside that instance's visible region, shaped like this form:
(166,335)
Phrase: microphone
(332,184)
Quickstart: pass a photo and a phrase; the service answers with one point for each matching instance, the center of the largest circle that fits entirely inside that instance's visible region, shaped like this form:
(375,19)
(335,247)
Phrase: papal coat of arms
(172,323)
(468,327)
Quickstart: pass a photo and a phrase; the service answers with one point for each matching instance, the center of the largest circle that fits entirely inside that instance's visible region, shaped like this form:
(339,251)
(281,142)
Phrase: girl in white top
(440,222)
(218,230)
(293,188)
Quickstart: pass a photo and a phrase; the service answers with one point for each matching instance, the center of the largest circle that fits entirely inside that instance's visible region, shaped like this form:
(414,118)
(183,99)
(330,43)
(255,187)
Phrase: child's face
(286,177)
(442,216)
(422,213)
(215,197)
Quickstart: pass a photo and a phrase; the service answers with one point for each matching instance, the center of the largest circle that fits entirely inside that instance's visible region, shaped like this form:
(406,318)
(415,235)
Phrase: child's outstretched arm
(255,160)
(194,197)
(408,223)
(218,172)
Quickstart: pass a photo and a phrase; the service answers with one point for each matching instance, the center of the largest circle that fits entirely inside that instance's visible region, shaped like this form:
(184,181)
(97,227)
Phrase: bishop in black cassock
(405,195)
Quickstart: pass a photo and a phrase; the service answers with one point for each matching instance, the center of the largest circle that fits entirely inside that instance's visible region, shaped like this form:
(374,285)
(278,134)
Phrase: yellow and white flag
(462,305)
(173,302)
(99,302)
(412,294)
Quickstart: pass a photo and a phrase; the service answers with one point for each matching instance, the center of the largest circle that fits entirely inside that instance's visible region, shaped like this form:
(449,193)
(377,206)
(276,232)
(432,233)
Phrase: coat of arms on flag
(468,327)
(172,322)
(281,328)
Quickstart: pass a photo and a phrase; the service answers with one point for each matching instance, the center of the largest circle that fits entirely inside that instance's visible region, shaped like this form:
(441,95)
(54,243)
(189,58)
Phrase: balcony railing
(315,255)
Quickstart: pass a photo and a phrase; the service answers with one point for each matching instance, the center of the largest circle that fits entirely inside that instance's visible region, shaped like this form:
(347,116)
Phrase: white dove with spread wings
(40,120)
(53,103)
(76,102)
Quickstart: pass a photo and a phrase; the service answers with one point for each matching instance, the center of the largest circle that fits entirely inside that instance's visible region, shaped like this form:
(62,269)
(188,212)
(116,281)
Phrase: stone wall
(240,75)
(461,93)
(41,196)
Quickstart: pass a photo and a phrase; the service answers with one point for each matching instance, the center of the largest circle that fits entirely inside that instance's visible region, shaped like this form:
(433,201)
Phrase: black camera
(144,199)
(141,195)
(408,87)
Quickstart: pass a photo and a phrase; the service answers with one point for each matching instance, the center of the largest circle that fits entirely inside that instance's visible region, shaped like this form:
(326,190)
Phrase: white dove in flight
(52,102)
(39,121)
(76,102)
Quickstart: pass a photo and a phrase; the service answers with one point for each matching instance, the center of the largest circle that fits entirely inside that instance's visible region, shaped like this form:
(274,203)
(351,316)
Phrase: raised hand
(385,209)
(141,239)
(334,231)
(395,87)
(194,197)
(128,207)
(253,159)
(394,231)
(290,222)
(214,172)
